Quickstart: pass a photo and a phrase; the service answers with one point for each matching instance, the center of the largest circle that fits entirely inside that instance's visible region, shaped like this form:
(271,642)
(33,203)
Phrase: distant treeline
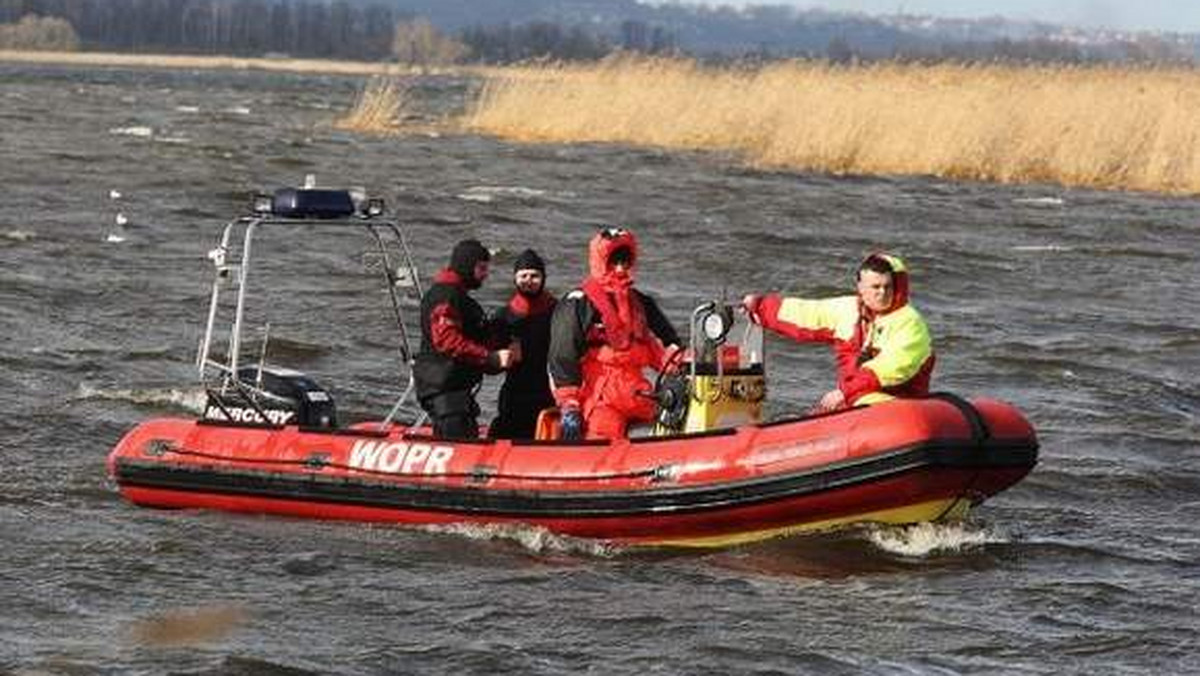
(338,29)
(542,39)
(314,29)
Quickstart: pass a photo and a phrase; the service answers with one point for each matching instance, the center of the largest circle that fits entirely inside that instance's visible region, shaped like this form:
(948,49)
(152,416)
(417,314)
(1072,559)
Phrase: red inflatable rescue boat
(710,474)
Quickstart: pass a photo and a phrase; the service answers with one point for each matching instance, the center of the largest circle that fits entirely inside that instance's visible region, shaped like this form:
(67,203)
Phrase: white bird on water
(117,235)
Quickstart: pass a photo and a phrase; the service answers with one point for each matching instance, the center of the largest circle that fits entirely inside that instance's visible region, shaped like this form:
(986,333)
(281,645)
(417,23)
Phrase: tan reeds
(1104,127)
(379,109)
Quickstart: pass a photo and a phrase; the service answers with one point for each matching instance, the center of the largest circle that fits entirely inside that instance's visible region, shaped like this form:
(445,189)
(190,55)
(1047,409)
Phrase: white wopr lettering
(365,453)
(416,454)
(400,458)
(439,459)
(391,457)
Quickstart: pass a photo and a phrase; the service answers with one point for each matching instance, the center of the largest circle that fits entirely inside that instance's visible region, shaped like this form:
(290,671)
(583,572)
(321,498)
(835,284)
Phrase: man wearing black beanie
(458,344)
(526,318)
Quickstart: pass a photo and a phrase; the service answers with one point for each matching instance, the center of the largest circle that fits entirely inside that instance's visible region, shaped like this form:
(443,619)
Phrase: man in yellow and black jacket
(882,344)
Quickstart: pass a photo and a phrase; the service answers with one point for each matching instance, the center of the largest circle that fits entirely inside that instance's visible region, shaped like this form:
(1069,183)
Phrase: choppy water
(1079,307)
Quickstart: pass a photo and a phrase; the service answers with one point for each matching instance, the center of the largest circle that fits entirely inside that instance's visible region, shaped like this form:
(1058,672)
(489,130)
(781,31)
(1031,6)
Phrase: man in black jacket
(458,344)
(526,318)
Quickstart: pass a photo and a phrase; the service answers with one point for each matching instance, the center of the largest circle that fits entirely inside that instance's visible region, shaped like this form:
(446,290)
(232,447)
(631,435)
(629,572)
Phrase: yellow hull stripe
(934,510)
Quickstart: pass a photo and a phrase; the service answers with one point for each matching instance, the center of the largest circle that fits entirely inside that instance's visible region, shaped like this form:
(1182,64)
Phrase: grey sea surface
(1079,307)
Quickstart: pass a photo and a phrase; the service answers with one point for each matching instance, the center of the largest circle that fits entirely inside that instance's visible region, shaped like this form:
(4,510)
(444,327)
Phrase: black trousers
(454,415)
(518,414)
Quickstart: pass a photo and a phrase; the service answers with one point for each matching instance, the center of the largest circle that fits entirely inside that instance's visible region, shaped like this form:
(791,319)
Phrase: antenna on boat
(262,355)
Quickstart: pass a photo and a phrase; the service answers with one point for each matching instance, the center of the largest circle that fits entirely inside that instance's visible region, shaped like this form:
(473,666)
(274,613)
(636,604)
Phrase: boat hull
(899,462)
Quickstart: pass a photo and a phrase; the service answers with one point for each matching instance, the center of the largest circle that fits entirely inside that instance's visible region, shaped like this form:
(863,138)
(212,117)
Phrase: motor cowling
(272,396)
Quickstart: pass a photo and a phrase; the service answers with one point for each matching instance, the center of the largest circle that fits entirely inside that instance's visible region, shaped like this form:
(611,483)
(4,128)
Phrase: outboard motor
(272,396)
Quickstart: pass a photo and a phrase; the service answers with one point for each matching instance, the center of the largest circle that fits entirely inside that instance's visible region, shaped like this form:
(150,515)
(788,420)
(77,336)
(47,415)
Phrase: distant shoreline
(289,65)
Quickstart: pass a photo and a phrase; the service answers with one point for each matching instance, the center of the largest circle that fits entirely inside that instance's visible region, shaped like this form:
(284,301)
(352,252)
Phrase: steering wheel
(671,391)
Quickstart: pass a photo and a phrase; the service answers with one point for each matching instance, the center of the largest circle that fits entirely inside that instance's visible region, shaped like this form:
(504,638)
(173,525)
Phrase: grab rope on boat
(318,461)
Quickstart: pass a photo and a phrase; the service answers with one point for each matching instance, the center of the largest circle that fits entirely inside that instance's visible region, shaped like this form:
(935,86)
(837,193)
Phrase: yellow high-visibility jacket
(879,356)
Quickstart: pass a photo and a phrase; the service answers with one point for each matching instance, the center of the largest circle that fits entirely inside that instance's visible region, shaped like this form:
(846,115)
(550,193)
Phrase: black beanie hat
(464,257)
(466,254)
(529,260)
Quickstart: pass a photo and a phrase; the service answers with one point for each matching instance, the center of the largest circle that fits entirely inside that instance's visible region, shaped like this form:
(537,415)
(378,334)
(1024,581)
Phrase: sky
(1174,15)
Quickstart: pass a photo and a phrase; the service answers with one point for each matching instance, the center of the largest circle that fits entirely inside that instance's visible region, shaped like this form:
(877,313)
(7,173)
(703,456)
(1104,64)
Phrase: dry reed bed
(381,104)
(1134,129)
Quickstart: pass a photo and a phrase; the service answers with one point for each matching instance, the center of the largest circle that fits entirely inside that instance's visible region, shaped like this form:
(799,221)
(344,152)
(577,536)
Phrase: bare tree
(417,42)
(39,33)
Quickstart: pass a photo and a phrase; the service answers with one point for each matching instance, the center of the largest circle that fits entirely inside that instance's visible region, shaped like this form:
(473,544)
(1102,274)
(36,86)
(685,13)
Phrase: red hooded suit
(603,336)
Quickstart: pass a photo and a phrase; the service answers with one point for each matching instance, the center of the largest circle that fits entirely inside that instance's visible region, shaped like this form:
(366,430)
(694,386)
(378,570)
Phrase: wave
(1040,248)
(925,539)
(17,235)
(533,538)
(1129,251)
(137,130)
(1085,554)
(292,348)
(488,193)
(1040,201)
(1107,251)
(188,400)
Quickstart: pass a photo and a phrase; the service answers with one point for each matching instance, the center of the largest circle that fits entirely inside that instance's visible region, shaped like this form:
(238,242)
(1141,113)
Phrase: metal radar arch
(260,393)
